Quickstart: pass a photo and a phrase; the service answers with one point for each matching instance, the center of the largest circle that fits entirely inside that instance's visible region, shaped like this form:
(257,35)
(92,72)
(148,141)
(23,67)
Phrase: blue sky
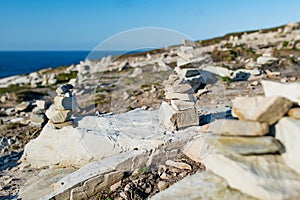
(82,25)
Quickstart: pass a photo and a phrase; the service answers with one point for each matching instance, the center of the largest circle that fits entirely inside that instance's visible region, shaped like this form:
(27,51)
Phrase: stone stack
(59,113)
(178,111)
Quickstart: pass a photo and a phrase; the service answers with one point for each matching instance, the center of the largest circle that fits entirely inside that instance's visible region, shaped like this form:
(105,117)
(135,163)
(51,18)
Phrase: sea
(23,62)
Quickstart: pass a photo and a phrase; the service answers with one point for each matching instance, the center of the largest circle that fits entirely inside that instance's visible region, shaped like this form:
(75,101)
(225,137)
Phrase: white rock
(288,132)
(261,109)
(288,90)
(22,106)
(180,96)
(41,104)
(180,88)
(263,60)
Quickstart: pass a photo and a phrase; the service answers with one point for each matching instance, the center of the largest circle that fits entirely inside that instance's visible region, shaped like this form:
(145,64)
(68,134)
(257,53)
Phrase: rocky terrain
(212,119)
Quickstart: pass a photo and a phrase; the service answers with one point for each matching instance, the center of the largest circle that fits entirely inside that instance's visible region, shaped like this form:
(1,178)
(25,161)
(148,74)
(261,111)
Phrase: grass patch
(226,79)
(65,77)
(13,89)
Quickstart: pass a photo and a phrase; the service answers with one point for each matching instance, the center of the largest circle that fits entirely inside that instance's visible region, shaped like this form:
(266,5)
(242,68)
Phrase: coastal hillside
(132,126)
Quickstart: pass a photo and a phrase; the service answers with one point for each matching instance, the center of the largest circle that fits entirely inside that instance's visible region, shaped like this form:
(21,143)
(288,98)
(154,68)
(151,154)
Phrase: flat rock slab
(261,109)
(204,185)
(264,177)
(288,132)
(288,90)
(247,145)
(94,138)
(236,127)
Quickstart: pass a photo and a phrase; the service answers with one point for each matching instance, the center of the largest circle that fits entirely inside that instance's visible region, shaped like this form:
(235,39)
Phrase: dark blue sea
(23,62)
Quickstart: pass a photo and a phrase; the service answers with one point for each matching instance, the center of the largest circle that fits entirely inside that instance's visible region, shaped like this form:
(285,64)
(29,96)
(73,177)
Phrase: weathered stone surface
(180,88)
(182,105)
(288,132)
(38,186)
(261,109)
(288,90)
(204,185)
(22,106)
(179,165)
(58,116)
(245,145)
(96,184)
(64,88)
(294,113)
(249,174)
(237,127)
(185,118)
(63,103)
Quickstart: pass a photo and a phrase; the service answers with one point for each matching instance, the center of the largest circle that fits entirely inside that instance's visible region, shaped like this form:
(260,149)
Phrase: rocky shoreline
(145,125)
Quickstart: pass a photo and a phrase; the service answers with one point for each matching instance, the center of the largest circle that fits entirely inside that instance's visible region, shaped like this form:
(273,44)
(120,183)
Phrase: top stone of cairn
(64,89)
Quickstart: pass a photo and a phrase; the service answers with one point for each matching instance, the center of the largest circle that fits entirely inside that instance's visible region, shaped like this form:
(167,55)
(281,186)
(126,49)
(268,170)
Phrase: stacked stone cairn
(37,117)
(178,110)
(59,113)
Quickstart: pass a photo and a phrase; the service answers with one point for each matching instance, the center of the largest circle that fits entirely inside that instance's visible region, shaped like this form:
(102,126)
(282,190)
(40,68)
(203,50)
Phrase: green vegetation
(65,77)
(13,89)
(144,170)
(225,79)
(285,44)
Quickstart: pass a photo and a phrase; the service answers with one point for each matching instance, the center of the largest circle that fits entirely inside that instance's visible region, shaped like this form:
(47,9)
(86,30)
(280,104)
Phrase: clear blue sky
(81,25)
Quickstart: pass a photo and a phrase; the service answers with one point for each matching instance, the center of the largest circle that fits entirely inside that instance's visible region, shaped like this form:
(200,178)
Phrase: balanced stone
(40,118)
(261,109)
(182,105)
(63,103)
(236,127)
(64,88)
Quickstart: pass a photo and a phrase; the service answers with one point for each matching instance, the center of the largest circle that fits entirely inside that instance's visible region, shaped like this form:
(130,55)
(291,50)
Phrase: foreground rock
(249,174)
(205,185)
(261,109)
(288,132)
(237,127)
(95,138)
(288,90)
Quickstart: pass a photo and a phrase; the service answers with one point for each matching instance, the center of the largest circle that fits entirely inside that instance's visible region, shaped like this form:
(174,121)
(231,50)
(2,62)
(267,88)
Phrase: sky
(84,24)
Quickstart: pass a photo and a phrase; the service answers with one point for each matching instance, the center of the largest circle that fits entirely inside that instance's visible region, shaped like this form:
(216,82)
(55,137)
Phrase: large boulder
(264,177)
(288,132)
(261,109)
(288,90)
(95,138)
(205,185)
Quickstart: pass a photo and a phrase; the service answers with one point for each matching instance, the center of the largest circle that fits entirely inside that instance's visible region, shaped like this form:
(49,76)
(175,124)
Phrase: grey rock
(41,104)
(40,118)
(236,127)
(64,88)
(63,103)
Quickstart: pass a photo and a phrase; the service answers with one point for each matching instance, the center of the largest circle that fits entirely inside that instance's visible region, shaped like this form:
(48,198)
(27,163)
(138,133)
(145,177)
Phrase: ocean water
(22,62)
